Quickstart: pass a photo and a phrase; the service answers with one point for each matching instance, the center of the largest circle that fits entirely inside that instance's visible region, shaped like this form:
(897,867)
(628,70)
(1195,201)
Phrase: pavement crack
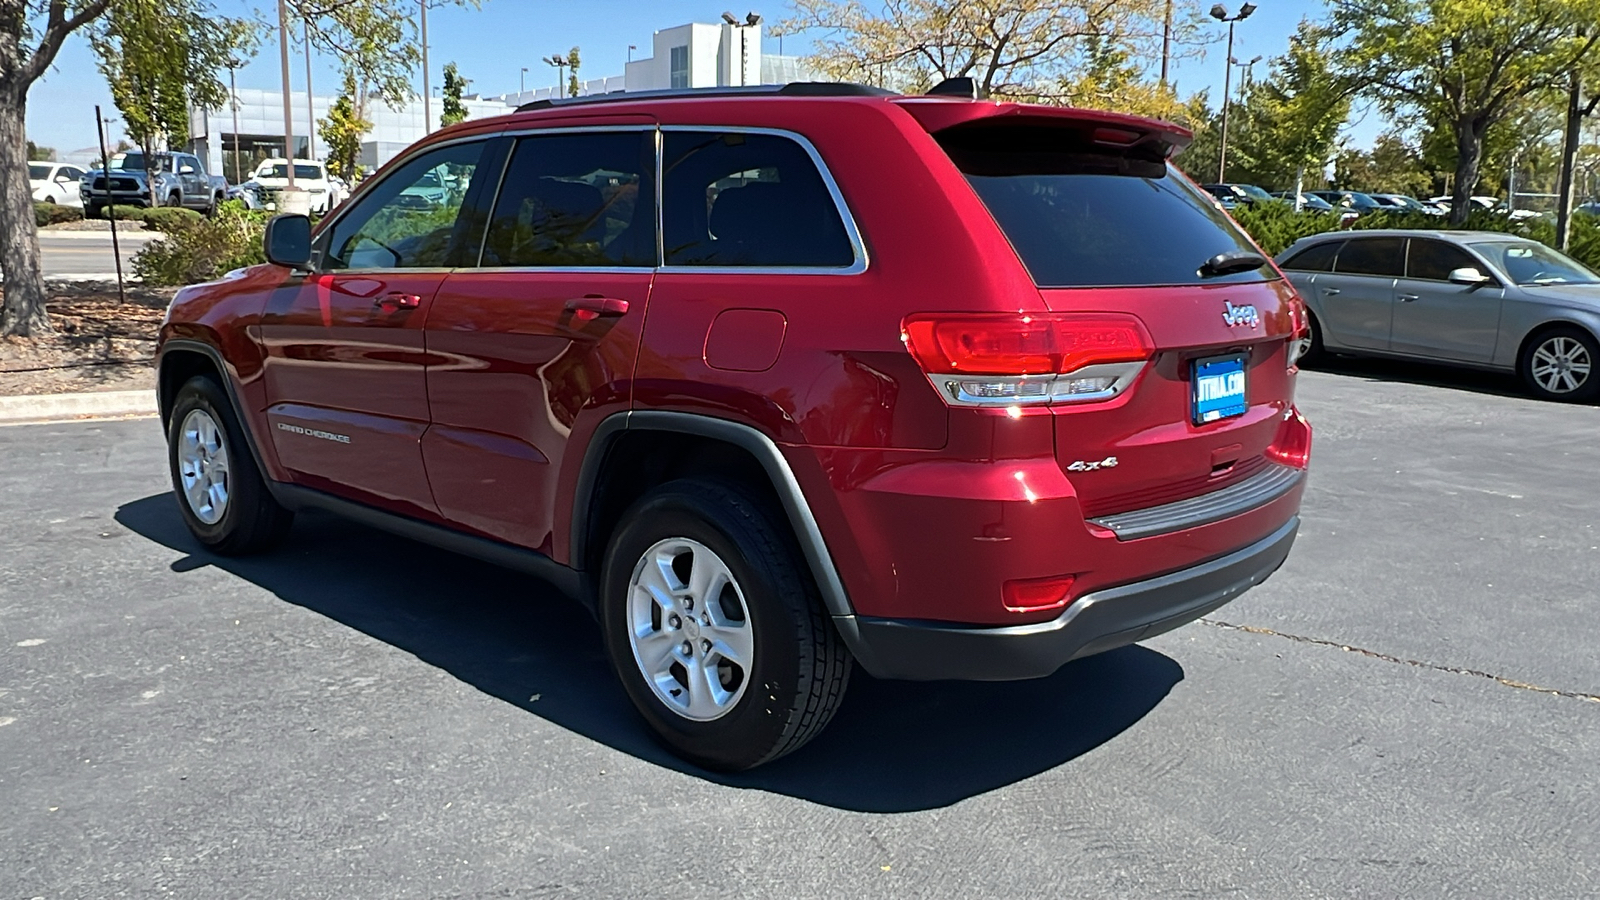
(1436,667)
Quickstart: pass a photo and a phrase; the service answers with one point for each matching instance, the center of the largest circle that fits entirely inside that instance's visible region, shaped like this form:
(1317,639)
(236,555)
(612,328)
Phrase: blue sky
(492,44)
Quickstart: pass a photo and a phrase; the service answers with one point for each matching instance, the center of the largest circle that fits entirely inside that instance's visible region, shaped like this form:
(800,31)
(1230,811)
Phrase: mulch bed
(100,343)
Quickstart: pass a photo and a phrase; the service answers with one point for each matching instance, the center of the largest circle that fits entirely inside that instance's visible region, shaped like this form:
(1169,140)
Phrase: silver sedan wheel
(690,629)
(1561,365)
(203,466)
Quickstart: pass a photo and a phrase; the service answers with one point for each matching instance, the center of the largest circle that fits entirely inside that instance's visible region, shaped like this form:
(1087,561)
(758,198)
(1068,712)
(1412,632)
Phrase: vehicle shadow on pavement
(893,747)
(1499,384)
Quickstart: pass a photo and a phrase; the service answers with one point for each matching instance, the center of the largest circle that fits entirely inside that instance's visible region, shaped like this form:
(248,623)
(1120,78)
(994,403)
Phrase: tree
(454,110)
(1112,80)
(1011,48)
(31,32)
(374,40)
(1463,62)
(1392,166)
(572,72)
(1293,118)
(37,153)
(344,127)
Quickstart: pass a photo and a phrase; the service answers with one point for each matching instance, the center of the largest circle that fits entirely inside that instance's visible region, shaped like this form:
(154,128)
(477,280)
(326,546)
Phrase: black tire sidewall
(748,734)
(1585,393)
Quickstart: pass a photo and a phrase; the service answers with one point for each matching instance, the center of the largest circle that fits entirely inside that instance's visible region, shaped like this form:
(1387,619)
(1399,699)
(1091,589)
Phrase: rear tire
(1560,364)
(221,494)
(715,627)
(1315,353)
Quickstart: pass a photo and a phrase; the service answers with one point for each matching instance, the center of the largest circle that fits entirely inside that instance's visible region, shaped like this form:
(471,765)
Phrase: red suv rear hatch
(1104,224)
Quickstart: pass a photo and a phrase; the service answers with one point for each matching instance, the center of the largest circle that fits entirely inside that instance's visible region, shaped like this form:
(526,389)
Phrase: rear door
(1435,318)
(1306,270)
(535,344)
(345,363)
(1357,298)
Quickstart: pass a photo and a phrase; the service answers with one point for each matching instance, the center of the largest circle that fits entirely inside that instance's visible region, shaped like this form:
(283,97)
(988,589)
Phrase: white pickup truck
(272,176)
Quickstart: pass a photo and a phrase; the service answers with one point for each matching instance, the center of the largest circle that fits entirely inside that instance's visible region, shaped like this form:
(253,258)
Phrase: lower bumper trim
(920,650)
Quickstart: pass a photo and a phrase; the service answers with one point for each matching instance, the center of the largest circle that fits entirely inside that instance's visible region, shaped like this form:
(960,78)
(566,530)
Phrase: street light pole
(1220,13)
(233,101)
(1166,43)
(288,109)
(311,112)
(523,82)
(427,102)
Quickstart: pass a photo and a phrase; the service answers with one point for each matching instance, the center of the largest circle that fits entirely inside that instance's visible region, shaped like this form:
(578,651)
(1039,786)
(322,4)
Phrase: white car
(55,183)
(272,176)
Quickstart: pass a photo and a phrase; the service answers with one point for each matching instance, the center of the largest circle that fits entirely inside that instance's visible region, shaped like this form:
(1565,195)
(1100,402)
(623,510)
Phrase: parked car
(1481,299)
(1403,203)
(53,182)
(1355,201)
(1308,202)
(965,419)
(180,179)
(1233,194)
(272,176)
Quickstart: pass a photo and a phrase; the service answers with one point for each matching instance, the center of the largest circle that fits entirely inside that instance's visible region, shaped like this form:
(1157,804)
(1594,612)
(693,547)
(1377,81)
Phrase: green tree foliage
(454,110)
(344,128)
(161,56)
(1199,159)
(573,61)
(1392,166)
(1290,123)
(1462,63)
(37,153)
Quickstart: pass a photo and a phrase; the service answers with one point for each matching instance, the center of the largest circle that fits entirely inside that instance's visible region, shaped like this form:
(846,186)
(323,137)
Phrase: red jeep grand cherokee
(778,381)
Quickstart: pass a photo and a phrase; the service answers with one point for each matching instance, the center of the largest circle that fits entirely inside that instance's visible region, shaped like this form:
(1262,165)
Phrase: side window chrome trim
(841,208)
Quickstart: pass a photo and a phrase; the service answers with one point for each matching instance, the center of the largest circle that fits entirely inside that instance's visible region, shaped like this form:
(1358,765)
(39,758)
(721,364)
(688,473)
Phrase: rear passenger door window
(1384,256)
(749,200)
(573,200)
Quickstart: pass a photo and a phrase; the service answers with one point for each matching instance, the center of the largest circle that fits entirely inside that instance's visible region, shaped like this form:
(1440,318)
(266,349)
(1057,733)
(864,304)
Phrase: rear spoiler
(1115,132)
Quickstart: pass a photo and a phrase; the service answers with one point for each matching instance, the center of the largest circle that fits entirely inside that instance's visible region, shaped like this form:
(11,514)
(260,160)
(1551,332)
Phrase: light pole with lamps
(1246,70)
(751,20)
(1220,13)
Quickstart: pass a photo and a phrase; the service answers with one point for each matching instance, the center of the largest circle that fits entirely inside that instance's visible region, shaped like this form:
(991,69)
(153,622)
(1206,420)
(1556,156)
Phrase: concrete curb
(29,409)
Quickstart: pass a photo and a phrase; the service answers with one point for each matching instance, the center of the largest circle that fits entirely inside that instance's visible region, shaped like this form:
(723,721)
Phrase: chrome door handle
(1330,291)
(1407,298)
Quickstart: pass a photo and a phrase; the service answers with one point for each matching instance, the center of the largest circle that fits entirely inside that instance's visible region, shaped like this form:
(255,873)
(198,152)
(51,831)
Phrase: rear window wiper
(1229,263)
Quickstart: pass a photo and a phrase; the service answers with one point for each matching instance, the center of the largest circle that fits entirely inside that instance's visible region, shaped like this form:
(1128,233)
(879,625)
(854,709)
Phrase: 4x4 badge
(1241,315)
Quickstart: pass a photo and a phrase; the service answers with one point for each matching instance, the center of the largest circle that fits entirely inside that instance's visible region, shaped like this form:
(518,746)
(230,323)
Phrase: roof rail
(792,89)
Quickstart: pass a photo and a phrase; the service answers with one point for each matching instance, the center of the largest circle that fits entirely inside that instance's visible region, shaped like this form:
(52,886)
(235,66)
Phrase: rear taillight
(1300,341)
(1292,445)
(1027,359)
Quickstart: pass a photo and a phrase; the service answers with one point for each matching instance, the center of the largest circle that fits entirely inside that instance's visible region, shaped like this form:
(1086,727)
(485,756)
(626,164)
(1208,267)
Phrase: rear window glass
(1373,256)
(1318,258)
(1080,216)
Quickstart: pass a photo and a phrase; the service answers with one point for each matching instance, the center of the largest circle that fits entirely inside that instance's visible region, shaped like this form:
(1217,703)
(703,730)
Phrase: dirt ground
(100,344)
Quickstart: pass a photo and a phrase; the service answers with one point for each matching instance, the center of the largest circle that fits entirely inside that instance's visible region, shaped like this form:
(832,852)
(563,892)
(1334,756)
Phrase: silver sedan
(1471,298)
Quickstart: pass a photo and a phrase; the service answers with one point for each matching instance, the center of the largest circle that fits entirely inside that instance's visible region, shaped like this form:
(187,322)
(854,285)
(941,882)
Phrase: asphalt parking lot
(1410,708)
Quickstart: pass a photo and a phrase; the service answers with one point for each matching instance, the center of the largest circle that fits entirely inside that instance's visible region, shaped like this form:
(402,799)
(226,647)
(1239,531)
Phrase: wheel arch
(632,452)
(1543,328)
(181,359)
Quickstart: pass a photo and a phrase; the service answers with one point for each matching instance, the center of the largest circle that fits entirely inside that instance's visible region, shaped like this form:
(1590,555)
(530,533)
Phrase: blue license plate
(1219,388)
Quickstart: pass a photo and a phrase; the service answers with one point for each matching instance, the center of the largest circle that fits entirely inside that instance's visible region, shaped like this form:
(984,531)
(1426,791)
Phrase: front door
(536,345)
(1435,318)
(345,360)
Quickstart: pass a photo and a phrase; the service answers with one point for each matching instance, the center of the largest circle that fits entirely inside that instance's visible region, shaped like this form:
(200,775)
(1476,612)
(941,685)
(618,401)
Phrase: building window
(679,58)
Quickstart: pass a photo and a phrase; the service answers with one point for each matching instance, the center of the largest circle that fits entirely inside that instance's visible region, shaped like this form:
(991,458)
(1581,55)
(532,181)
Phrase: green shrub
(125,213)
(168,218)
(198,249)
(54,213)
(1275,226)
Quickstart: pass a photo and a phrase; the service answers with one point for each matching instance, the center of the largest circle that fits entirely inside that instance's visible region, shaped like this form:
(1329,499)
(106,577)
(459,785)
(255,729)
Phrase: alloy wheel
(203,466)
(1561,364)
(689,628)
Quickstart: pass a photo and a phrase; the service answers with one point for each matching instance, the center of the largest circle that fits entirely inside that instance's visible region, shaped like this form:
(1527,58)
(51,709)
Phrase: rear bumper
(1096,622)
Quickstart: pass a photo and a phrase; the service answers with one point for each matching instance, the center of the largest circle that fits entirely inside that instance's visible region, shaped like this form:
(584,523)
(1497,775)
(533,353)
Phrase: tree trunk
(23,310)
(1469,156)
(1299,186)
(1569,158)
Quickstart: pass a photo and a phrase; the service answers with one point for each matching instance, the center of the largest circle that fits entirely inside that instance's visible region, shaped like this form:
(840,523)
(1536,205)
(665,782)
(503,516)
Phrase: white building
(688,56)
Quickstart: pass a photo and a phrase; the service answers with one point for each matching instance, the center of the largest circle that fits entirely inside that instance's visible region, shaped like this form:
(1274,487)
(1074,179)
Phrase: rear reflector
(993,359)
(1034,594)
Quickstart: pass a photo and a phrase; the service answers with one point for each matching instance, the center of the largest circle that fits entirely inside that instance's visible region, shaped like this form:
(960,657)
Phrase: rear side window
(1435,260)
(740,199)
(1081,215)
(575,200)
(1384,256)
(1316,258)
